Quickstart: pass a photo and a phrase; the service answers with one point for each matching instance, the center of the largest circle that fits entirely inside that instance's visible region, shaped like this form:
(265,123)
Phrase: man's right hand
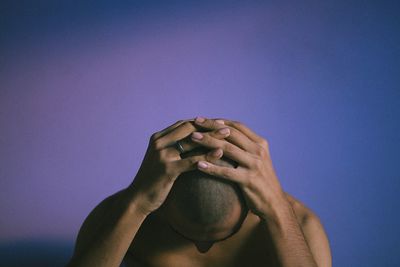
(162,162)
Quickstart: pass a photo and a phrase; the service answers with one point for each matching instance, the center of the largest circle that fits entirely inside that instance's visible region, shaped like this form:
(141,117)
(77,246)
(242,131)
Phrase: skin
(201,236)
(264,195)
(284,228)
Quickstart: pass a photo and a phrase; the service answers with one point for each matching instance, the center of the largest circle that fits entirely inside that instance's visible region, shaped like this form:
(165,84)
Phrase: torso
(157,245)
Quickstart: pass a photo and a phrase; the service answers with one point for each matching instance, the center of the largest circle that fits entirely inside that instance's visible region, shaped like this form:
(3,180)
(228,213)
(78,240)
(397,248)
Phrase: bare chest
(163,248)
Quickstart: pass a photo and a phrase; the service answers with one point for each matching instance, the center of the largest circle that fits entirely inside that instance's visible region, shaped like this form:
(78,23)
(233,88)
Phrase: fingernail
(197,136)
(202,165)
(217,153)
(224,131)
(220,122)
(200,119)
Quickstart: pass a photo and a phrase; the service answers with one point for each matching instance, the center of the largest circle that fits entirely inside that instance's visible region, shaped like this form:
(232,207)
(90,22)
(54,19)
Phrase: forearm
(289,242)
(114,235)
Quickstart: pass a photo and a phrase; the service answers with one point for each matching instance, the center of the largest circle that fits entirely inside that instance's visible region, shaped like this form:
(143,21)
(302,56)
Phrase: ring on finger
(179,147)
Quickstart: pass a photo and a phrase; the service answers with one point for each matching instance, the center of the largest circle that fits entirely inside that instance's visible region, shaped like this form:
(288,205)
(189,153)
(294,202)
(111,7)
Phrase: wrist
(134,202)
(278,211)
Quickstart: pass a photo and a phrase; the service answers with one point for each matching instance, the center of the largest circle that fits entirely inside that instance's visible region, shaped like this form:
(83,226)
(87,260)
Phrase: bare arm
(264,195)
(313,232)
(108,231)
(298,235)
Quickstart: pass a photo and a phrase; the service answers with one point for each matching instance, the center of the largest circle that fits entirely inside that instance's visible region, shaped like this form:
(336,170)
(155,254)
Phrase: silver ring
(179,147)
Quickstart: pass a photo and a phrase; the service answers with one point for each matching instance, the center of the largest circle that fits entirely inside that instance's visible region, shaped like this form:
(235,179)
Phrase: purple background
(84,85)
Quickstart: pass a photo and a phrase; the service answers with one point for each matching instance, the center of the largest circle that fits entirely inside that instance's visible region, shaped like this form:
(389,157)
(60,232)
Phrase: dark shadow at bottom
(35,253)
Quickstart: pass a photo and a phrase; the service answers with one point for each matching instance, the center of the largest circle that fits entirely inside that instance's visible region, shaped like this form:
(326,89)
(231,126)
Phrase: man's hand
(254,173)
(264,195)
(162,163)
(108,231)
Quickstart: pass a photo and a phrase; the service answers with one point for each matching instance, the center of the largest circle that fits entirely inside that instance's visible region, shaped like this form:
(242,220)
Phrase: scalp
(205,199)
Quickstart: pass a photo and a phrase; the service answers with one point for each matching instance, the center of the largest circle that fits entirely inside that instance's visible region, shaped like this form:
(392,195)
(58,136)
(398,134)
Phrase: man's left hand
(254,174)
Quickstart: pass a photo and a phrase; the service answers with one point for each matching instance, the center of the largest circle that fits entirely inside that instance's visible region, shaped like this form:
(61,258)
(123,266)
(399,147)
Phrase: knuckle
(250,182)
(228,148)
(223,173)
(217,134)
(207,139)
(215,124)
(210,138)
(264,143)
(257,164)
(169,169)
(154,136)
(193,160)
(226,172)
(209,157)
(225,121)
(233,130)
(189,126)
(237,123)
(259,150)
(162,156)
(157,145)
(213,133)
(264,153)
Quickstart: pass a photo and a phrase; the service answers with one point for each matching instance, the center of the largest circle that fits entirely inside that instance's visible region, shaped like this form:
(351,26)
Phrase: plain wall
(84,85)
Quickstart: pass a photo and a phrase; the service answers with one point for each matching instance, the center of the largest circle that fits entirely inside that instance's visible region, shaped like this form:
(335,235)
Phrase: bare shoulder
(91,223)
(301,210)
(313,231)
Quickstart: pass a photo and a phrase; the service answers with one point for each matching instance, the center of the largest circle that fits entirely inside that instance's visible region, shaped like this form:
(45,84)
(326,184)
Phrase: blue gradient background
(83,85)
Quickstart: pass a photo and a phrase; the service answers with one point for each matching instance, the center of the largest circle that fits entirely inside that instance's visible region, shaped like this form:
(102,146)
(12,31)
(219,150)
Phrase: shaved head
(206,203)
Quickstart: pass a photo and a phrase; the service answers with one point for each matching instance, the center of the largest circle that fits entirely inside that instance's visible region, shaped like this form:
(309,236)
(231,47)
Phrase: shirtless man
(206,194)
